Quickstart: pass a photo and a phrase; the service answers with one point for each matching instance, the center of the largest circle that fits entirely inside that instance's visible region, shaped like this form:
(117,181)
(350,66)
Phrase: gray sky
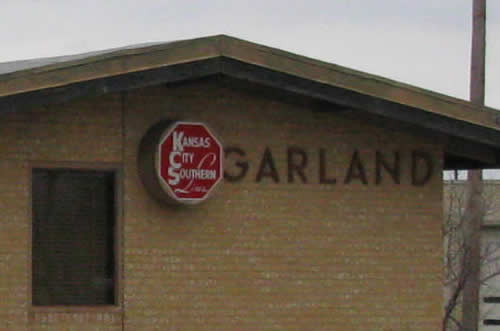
(424,43)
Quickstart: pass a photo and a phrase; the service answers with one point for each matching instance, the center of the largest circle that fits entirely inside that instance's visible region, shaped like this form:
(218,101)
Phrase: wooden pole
(474,207)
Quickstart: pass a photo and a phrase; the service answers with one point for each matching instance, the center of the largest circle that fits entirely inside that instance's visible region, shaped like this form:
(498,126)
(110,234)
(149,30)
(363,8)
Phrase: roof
(472,132)
(9,67)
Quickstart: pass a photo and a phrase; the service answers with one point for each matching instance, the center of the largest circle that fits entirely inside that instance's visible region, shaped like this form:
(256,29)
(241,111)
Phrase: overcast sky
(424,43)
(421,42)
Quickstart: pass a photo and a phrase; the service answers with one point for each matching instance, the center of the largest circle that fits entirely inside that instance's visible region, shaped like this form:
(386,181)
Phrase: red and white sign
(189,162)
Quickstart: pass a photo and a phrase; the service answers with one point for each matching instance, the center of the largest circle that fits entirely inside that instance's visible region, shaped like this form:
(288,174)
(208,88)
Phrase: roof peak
(26,64)
(59,79)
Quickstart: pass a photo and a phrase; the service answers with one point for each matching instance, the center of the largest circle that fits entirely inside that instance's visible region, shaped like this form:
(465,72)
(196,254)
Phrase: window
(491,322)
(73,237)
(489,306)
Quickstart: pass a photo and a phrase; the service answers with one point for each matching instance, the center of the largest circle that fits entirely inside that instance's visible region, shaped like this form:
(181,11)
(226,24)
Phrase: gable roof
(472,132)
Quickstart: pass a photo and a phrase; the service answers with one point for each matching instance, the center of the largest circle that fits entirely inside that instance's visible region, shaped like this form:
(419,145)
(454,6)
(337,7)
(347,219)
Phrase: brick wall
(83,132)
(257,255)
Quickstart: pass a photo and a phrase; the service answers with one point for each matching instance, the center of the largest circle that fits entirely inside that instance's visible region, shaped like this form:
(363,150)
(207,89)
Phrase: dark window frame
(491,299)
(491,322)
(116,170)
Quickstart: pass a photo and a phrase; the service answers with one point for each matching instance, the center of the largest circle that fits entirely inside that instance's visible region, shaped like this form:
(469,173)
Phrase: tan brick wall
(257,256)
(85,131)
(281,256)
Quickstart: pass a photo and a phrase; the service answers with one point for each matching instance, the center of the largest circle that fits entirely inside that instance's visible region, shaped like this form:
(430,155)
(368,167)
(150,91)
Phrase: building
(454,206)
(329,217)
(490,291)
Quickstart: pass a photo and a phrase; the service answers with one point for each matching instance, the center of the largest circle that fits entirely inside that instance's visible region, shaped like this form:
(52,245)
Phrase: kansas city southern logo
(189,162)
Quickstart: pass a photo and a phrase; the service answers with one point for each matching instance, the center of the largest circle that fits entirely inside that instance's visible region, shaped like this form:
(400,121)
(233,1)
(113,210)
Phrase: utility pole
(474,207)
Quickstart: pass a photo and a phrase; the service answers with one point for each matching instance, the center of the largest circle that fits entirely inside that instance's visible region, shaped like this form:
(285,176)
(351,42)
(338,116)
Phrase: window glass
(73,237)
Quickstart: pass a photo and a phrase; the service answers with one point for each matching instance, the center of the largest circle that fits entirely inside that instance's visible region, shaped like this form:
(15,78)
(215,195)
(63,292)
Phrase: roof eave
(186,60)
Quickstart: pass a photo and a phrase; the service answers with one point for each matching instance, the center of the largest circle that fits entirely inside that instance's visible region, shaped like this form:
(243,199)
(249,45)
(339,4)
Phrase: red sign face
(189,162)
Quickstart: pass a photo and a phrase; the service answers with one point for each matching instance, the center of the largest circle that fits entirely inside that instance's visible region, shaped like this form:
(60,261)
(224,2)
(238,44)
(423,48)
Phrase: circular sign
(188,162)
